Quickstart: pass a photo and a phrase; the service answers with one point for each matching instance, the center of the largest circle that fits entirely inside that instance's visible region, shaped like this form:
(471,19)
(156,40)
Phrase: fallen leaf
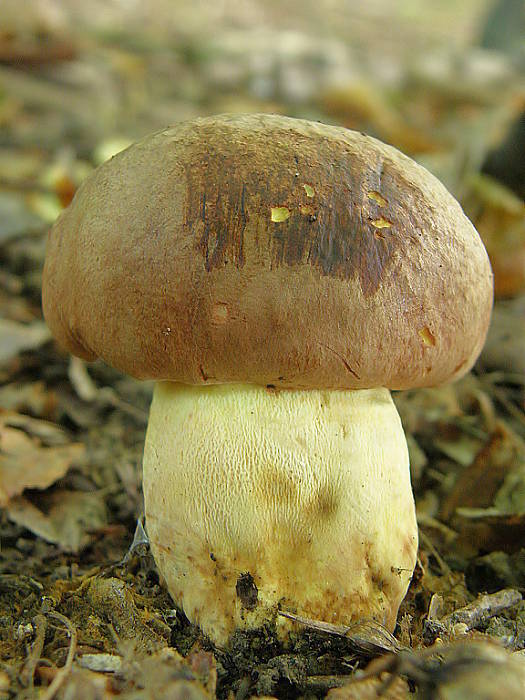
(16,218)
(487,530)
(461,450)
(47,433)
(478,484)
(17,337)
(64,518)
(33,397)
(25,461)
(499,216)
(101,663)
(505,346)
(23,512)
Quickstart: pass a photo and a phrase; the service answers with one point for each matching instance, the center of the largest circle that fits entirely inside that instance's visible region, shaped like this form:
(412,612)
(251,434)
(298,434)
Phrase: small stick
(66,668)
(511,408)
(28,671)
(483,608)
(445,569)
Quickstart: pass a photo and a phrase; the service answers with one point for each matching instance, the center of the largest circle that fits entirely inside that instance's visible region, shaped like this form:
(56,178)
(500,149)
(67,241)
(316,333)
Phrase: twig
(511,408)
(483,608)
(425,520)
(501,377)
(28,671)
(88,391)
(432,665)
(445,569)
(63,672)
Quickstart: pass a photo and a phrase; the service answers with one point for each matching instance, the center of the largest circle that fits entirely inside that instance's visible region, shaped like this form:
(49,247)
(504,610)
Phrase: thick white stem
(258,498)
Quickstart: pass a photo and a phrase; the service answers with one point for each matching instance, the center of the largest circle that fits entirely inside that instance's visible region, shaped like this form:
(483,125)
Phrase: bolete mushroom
(277,278)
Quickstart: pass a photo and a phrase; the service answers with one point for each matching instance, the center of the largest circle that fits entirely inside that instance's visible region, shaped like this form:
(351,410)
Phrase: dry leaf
(16,219)
(66,518)
(479,482)
(505,346)
(499,216)
(488,501)
(17,337)
(486,530)
(101,663)
(46,432)
(25,460)
(33,397)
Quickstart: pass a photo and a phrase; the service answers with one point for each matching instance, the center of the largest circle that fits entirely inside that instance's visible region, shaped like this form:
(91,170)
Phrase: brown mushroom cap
(268,250)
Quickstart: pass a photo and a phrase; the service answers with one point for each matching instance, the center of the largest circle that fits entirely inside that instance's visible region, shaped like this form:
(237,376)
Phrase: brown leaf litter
(80,618)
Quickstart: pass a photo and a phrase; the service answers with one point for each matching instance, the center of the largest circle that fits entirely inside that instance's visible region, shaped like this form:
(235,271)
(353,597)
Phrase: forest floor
(83,612)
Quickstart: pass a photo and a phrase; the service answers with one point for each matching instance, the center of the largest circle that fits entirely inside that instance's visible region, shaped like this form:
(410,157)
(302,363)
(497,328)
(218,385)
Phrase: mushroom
(277,278)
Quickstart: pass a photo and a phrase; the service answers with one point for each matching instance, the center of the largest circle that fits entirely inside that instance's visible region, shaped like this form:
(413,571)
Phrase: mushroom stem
(258,499)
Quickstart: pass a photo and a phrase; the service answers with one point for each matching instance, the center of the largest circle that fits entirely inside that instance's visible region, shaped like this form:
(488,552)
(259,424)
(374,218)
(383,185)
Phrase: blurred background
(444,81)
